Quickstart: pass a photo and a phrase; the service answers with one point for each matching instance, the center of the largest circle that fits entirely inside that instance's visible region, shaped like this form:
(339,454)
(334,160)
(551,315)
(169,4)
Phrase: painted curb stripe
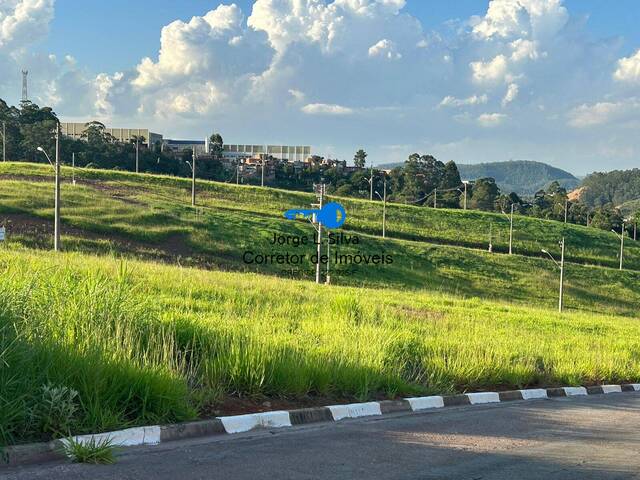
(424,403)
(483,397)
(122,438)
(355,410)
(611,388)
(244,423)
(533,393)
(573,391)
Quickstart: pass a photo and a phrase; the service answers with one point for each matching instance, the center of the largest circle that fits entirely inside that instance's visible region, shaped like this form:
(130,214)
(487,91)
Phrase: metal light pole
(384,207)
(561,266)
(137,156)
(435,198)
(73,168)
(621,244)
(56,228)
(371,184)
(262,181)
(511,231)
(56,211)
(465,194)
(4,141)
(566,209)
(193,180)
(321,199)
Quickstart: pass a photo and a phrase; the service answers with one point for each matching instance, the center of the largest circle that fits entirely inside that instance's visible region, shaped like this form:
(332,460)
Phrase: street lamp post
(561,266)
(371,184)
(193,179)
(621,244)
(56,214)
(73,168)
(510,229)
(465,193)
(137,155)
(262,180)
(384,207)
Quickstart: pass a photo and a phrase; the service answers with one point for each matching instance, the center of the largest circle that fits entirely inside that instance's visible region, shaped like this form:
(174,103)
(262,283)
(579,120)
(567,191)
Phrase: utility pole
(321,199)
(56,227)
(511,231)
(193,179)
(4,141)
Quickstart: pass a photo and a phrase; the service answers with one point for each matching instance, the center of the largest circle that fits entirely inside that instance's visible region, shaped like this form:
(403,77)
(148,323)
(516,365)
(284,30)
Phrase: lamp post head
(544,251)
(40,149)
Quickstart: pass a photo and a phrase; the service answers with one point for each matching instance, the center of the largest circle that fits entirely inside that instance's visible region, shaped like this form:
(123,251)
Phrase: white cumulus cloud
(488,120)
(511,95)
(629,69)
(326,109)
(450,101)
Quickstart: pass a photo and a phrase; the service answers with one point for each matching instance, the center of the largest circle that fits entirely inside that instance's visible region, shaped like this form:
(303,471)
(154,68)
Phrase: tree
(485,194)
(607,218)
(450,184)
(216,145)
(360,158)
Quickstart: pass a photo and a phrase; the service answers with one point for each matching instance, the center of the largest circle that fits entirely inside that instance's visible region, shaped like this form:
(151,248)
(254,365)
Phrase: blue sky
(550,80)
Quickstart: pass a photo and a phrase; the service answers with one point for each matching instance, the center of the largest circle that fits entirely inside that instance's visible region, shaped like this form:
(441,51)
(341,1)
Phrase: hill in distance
(524,177)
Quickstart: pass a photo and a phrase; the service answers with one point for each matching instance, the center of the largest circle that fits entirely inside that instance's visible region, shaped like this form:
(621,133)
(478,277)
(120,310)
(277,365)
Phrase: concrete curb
(155,434)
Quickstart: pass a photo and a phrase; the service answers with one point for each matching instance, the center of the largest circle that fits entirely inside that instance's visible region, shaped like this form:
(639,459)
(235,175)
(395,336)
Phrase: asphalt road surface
(596,437)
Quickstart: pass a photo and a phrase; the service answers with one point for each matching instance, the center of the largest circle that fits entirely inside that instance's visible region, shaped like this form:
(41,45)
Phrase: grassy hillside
(143,343)
(142,207)
(146,217)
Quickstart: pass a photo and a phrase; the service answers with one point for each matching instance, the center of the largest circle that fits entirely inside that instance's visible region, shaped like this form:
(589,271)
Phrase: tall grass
(142,343)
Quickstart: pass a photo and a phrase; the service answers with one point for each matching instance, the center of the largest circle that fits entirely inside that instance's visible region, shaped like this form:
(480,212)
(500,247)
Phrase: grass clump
(93,450)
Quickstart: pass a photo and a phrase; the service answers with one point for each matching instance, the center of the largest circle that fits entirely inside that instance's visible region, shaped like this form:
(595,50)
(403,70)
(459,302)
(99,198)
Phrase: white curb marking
(123,438)
(531,393)
(573,391)
(423,403)
(355,410)
(244,423)
(611,388)
(483,397)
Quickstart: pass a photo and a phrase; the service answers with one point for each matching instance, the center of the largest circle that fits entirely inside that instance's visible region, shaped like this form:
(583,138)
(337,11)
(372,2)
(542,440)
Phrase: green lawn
(143,343)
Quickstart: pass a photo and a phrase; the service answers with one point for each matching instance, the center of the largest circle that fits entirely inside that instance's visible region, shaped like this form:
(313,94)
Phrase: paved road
(568,438)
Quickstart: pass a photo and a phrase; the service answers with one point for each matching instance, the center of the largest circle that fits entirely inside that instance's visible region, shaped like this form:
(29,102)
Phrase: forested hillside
(615,187)
(521,176)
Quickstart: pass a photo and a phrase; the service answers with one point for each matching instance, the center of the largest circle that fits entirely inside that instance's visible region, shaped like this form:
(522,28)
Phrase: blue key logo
(332,215)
